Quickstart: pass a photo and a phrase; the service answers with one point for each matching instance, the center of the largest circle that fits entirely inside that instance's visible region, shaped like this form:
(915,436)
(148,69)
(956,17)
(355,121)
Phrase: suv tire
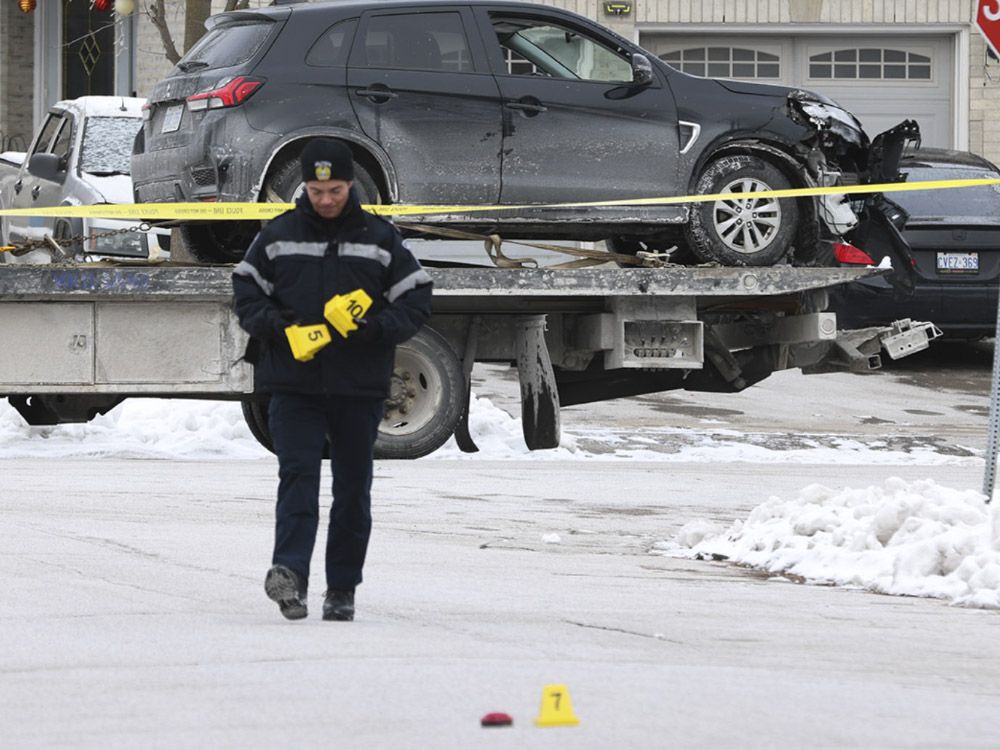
(284,183)
(733,232)
(227,241)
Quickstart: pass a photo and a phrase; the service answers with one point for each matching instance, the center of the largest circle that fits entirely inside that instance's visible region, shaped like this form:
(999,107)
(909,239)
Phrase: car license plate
(172,119)
(958,262)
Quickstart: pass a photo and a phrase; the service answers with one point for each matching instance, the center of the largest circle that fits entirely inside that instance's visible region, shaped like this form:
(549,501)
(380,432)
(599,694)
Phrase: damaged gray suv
(498,103)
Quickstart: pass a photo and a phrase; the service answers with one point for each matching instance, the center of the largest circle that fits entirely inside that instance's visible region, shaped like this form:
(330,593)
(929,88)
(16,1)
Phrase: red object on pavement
(988,22)
(102,5)
(497,719)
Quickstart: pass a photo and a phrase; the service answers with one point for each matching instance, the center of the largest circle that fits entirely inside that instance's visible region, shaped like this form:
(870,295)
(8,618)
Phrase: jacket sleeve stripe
(245,269)
(284,249)
(408,282)
(371,252)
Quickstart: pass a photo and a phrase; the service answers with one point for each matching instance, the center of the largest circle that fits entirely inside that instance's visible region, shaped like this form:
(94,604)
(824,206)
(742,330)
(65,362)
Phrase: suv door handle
(529,106)
(35,191)
(377,94)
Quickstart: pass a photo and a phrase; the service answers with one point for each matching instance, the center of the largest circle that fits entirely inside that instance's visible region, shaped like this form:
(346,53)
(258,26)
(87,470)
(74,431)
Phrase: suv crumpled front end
(839,153)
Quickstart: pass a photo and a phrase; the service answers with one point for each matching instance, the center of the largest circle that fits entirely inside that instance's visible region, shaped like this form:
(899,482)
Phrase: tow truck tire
(426,398)
(758,232)
(255,415)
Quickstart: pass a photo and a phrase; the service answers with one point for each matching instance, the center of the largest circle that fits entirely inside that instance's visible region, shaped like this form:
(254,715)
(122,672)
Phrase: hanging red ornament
(26,6)
(102,5)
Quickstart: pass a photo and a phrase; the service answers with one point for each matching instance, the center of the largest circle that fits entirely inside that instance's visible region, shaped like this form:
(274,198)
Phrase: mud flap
(463,437)
(539,392)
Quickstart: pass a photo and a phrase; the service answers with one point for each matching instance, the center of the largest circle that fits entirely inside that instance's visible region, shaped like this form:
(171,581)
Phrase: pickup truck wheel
(426,398)
(742,232)
(62,234)
(284,184)
(219,241)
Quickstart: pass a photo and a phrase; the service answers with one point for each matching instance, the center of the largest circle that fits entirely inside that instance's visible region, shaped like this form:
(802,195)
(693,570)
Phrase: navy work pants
(300,425)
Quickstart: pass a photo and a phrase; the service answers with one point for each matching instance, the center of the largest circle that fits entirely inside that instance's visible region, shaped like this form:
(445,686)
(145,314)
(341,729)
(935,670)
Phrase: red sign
(988,23)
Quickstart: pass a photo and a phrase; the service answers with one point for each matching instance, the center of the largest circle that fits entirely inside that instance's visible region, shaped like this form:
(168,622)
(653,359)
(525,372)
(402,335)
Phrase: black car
(481,102)
(954,237)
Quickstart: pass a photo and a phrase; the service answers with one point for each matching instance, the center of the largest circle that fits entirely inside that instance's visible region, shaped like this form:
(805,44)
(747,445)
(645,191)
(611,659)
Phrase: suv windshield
(226,45)
(947,204)
(107,144)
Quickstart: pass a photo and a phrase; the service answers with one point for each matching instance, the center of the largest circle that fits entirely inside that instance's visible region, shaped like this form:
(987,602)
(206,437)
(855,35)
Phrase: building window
(520,66)
(870,64)
(725,62)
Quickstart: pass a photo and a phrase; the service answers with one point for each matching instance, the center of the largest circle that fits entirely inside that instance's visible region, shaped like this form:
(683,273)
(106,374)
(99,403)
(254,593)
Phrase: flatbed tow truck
(78,339)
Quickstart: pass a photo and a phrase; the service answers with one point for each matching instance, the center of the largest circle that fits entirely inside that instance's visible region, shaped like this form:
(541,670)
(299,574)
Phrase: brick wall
(16,76)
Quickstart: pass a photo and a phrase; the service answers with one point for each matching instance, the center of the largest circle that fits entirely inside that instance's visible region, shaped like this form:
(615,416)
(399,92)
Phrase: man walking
(326,246)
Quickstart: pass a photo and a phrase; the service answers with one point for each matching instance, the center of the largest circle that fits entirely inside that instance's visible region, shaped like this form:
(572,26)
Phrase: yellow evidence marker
(342,309)
(305,341)
(557,708)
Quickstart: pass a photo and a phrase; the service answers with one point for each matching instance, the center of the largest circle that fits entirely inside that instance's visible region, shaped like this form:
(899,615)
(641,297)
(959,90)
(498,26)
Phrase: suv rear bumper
(210,165)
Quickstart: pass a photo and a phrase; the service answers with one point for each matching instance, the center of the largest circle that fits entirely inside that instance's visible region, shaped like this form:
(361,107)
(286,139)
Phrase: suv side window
(331,49)
(416,41)
(540,47)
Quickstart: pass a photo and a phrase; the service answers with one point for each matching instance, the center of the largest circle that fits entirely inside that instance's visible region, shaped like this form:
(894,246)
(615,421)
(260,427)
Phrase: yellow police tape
(264,211)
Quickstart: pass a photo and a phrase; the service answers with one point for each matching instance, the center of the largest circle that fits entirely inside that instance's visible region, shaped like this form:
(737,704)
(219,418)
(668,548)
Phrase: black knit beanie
(326,159)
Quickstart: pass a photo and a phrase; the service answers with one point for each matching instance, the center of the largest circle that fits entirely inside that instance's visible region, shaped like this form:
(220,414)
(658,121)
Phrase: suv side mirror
(642,70)
(47,167)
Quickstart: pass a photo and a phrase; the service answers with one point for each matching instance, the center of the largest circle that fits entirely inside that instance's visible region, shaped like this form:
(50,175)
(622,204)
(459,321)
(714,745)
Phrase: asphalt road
(134,612)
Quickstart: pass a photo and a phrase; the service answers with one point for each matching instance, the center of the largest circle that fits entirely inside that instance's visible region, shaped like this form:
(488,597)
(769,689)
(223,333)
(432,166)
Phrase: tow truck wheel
(741,231)
(426,398)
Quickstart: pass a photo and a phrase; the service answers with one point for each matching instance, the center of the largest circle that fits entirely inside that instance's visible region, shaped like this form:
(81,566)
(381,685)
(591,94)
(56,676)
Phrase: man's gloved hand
(286,317)
(367,331)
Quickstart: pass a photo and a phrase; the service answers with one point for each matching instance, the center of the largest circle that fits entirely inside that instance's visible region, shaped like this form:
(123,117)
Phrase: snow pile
(915,539)
(138,428)
(498,435)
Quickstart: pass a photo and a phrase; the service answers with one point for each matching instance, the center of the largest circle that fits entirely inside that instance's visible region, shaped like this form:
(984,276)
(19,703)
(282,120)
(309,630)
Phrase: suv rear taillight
(229,93)
(147,111)
(846,253)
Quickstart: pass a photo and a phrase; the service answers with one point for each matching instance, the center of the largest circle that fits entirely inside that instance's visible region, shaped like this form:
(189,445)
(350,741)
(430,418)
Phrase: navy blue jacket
(298,262)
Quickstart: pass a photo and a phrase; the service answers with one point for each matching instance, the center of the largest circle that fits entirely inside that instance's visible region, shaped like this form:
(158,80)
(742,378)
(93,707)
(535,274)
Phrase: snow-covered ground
(134,547)
(913,538)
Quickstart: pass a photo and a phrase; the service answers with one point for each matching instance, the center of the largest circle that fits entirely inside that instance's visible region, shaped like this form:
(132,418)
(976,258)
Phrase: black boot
(338,605)
(284,586)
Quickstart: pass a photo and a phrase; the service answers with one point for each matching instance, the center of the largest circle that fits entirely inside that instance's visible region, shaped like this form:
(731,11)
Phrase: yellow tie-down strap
(263,211)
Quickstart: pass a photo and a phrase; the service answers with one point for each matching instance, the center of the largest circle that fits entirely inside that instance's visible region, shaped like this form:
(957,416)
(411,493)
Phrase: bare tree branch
(155,14)
(196,12)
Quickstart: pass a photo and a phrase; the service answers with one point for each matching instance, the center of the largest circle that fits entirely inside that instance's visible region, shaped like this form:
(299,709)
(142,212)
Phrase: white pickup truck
(80,156)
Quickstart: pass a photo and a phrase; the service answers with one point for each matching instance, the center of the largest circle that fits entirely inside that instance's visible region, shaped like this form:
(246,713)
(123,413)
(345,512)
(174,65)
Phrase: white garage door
(883,80)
